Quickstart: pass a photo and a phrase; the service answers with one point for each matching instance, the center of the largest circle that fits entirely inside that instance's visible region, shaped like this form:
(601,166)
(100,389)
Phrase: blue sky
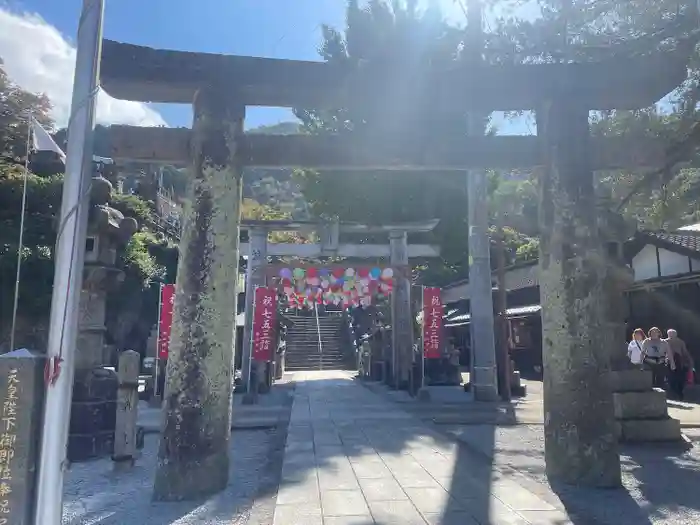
(272,28)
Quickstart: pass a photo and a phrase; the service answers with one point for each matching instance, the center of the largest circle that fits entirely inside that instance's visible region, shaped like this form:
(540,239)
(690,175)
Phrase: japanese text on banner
(264,321)
(167,301)
(432,323)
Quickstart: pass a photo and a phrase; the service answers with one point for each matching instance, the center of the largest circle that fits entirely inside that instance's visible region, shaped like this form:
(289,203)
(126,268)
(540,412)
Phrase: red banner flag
(167,300)
(432,323)
(264,316)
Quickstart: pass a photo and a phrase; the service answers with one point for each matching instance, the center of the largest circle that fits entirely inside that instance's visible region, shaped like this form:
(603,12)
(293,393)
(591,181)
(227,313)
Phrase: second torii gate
(398,252)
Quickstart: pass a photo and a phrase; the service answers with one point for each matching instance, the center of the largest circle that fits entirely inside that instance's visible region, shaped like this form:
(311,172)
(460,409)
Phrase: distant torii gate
(399,252)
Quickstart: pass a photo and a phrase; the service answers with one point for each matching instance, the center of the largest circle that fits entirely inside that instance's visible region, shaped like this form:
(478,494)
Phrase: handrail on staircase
(320,343)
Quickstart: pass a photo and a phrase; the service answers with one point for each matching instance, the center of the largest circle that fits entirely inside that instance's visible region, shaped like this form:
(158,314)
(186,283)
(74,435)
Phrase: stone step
(631,380)
(640,405)
(649,430)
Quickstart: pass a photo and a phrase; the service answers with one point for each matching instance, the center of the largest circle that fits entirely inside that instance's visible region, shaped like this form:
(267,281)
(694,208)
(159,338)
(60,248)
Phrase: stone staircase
(303,351)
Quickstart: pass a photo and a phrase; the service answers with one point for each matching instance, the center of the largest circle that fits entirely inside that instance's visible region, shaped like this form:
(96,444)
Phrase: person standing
(634,349)
(655,353)
(680,364)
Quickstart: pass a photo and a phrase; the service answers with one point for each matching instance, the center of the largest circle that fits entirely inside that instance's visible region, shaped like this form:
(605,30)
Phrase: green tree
(15,106)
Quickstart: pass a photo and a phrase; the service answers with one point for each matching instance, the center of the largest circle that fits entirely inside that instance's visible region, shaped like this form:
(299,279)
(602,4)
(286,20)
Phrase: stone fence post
(125,431)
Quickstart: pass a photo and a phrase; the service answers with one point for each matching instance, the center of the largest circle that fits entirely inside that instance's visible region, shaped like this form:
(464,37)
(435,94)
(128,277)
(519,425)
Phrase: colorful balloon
(312,272)
(349,272)
(388,273)
(375,273)
(298,273)
(286,273)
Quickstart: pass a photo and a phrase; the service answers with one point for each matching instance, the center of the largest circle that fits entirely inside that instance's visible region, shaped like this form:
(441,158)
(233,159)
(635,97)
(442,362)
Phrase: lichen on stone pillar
(580,439)
(193,457)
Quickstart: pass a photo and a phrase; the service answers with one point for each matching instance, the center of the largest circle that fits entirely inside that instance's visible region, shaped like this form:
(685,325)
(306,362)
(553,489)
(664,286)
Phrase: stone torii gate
(580,442)
(398,251)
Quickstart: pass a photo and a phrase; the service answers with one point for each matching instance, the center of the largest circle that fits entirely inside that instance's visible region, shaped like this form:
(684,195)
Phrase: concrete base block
(649,430)
(631,380)
(518,391)
(249,398)
(640,405)
(515,379)
(423,394)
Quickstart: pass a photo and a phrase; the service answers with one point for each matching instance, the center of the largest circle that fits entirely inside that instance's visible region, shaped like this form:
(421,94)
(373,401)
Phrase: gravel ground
(95,495)
(661,483)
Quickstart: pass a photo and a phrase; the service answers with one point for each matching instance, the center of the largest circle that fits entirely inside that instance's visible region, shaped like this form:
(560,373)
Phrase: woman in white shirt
(634,349)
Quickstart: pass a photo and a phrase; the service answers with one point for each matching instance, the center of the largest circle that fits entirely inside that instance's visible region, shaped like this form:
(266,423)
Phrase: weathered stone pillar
(401,322)
(580,440)
(484,380)
(127,410)
(193,456)
(255,276)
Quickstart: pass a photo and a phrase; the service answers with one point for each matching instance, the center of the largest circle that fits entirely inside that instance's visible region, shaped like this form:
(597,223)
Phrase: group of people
(668,359)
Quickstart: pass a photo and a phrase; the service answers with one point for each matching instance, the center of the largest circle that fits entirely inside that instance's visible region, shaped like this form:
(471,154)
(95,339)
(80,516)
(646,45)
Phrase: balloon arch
(337,285)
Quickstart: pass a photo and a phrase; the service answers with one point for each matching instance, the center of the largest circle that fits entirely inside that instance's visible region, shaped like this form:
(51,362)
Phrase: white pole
(69,259)
(20,242)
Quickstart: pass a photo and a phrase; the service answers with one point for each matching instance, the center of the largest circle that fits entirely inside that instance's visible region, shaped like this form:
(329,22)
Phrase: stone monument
(93,410)
(22,395)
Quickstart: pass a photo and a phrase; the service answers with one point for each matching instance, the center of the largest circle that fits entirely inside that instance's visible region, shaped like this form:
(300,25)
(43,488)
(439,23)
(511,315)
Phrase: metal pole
(483,378)
(20,242)
(69,259)
(318,332)
(250,344)
(157,363)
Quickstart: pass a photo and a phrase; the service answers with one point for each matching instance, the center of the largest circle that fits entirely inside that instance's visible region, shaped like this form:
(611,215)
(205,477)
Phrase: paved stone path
(353,458)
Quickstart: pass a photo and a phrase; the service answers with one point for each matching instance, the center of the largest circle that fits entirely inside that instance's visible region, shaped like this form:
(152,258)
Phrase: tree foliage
(410,40)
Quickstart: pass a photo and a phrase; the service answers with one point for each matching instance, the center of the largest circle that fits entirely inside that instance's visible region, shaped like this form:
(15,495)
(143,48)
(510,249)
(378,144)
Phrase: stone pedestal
(580,427)
(22,397)
(193,456)
(641,410)
(125,449)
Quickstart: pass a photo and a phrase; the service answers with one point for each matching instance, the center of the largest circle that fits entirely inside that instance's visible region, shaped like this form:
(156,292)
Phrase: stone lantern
(95,387)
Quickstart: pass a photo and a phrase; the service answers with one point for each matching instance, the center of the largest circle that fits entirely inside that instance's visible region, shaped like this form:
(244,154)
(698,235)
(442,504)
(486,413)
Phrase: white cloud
(38,58)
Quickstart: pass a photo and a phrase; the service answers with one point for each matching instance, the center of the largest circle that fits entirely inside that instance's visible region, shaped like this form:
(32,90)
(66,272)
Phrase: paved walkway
(352,458)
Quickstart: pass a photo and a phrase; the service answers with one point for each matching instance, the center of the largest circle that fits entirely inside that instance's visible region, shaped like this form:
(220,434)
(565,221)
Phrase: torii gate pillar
(193,458)
(401,322)
(255,276)
(579,420)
